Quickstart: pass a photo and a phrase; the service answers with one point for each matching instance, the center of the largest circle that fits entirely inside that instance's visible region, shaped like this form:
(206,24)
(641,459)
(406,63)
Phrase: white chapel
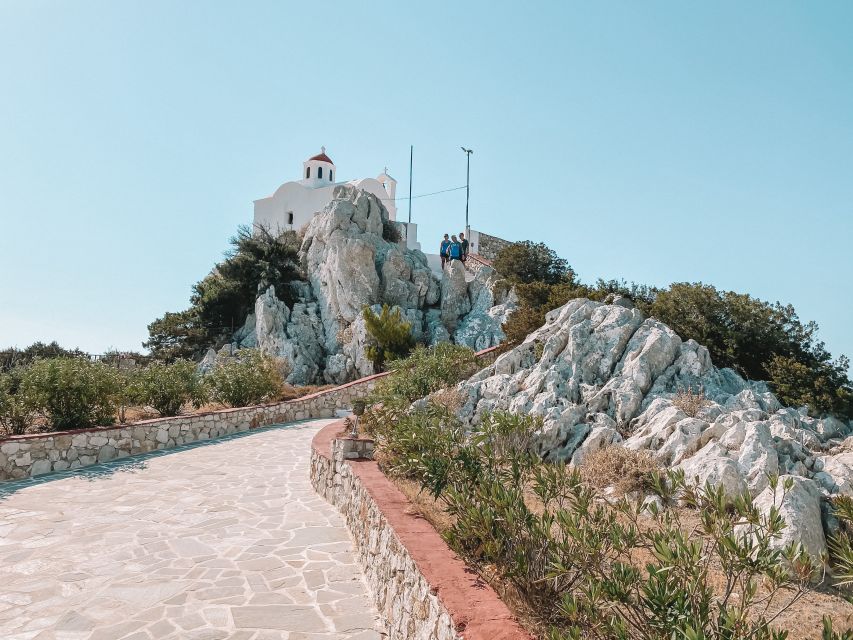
(294,203)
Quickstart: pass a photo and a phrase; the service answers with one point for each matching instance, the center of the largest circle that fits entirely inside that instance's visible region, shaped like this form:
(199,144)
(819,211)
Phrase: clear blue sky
(655,141)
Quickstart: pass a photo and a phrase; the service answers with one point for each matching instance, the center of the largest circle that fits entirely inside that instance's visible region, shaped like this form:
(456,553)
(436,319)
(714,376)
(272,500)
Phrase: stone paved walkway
(225,540)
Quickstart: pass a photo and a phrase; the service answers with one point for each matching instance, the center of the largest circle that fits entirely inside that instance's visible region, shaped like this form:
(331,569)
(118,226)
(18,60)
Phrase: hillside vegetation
(666,560)
(221,301)
(758,339)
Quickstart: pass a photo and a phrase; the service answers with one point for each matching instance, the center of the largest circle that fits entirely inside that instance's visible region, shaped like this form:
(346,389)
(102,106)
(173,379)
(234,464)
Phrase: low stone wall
(422,589)
(489,246)
(36,454)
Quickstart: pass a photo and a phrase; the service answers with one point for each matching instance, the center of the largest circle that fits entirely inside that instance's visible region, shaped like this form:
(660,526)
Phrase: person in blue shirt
(454,251)
(445,245)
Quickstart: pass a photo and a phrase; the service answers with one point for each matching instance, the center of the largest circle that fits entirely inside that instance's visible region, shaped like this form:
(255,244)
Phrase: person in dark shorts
(464,242)
(445,244)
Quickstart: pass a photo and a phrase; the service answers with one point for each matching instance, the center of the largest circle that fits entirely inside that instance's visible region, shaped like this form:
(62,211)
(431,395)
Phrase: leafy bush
(528,262)
(16,411)
(250,378)
(72,393)
(841,543)
(425,371)
(574,560)
(390,335)
(592,568)
(823,386)
(167,387)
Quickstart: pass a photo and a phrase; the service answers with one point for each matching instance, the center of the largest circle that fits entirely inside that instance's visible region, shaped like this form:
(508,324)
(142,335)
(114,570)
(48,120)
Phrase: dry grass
(451,398)
(289,392)
(690,403)
(623,469)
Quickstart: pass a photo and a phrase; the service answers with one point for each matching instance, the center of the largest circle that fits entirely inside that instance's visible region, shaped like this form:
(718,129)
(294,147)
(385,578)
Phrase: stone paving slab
(225,540)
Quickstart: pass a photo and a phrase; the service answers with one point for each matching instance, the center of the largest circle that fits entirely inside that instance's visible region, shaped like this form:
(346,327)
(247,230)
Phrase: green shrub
(249,378)
(167,387)
(762,341)
(572,557)
(390,336)
(73,393)
(16,410)
(841,543)
(425,371)
(823,386)
(532,262)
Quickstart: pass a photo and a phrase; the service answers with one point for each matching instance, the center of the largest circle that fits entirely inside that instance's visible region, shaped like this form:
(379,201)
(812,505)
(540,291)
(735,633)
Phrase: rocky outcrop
(600,374)
(349,265)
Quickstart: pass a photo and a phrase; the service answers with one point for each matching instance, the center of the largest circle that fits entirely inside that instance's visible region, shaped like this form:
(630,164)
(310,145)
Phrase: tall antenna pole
(468,153)
(411,157)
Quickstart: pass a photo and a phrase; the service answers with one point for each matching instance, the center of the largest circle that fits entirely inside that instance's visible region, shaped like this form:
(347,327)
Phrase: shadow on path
(136,462)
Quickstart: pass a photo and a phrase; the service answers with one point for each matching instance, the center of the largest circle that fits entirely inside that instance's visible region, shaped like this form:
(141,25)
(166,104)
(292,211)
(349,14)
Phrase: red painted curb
(477,611)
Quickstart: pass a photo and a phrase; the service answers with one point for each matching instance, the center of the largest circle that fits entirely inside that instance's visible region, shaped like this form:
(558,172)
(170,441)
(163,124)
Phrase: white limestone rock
(594,365)
(800,509)
(491,306)
(454,295)
(713,465)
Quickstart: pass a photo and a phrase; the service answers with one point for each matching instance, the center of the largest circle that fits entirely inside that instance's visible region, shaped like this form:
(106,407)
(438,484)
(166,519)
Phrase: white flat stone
(226,540)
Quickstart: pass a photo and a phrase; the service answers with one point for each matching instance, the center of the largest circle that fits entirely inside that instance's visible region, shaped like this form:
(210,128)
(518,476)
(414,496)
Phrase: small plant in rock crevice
(689,402)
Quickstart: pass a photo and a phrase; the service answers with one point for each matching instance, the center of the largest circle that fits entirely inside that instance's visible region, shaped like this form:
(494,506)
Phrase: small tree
(177,335)
(72,393)
(532,262)
(250,378)
(168,387)
(391,336)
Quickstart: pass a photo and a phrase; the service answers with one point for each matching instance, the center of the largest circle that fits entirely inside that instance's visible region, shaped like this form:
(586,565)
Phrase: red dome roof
(322,157)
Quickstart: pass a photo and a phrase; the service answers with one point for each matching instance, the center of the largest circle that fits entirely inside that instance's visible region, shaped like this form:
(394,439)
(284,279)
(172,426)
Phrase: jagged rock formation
(601,374)
(348,265)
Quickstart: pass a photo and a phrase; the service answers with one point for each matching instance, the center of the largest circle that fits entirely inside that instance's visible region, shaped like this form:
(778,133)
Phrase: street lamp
(468,153)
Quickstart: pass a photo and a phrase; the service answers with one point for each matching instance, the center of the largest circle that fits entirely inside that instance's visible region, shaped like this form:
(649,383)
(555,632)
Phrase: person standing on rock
(445,245)
(464,243)
(454,251)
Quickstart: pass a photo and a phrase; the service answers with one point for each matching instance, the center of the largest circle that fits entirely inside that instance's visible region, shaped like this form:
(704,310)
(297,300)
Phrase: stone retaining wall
(36,454)
(422,589)
(490,246)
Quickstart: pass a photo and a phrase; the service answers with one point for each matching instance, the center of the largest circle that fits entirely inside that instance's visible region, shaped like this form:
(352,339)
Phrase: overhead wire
(424,195)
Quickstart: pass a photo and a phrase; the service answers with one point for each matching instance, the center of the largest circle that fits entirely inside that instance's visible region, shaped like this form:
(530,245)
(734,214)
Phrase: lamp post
(468,153)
